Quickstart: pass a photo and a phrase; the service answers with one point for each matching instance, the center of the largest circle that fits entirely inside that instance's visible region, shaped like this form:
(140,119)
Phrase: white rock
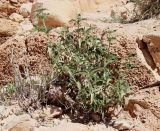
(2,110)
(123,124)
(52,111)
(16,17)
(25,9)
(26,25)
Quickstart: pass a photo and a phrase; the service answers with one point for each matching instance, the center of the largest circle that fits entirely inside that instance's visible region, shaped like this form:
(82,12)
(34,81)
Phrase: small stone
(52,111)
(9,27)
(123,124)
(26,25)
(25,9)
(16,17)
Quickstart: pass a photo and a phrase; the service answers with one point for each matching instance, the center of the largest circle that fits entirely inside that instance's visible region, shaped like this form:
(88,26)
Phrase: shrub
(84,66)
(41,17)
(147,8)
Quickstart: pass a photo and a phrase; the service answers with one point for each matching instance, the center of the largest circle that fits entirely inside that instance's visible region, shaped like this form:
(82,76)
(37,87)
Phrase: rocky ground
(22,49)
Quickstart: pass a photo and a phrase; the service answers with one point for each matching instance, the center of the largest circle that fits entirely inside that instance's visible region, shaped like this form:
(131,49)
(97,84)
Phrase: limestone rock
(52,111)
(151,43)
(65,127)
(16,17)
(22,1)
(23,126)
(2,110)
(8,111)
(123,124)
(18,123)
(57,16)
(25,9)
(123,12)
(9,27)
(87,5)
(26,25)
(7,8)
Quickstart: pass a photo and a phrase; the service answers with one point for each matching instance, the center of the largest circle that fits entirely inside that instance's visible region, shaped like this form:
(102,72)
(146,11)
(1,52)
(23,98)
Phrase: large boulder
(59,12)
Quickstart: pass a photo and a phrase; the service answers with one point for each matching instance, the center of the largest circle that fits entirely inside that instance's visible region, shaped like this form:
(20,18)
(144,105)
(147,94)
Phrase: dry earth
(25,50)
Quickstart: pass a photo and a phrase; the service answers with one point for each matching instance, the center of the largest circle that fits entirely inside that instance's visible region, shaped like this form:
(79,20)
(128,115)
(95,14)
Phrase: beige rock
(10,110)
(7,8)
(151,43)
(57,16)
(14,1)
(2,110)
(18,123)
(68,126)
(24,126)
(87,5)
(25,9)
(26,25)
(65,127)
(16,17)
(52,111)
(22,1)
(123,124)
(123,12)
(9,27)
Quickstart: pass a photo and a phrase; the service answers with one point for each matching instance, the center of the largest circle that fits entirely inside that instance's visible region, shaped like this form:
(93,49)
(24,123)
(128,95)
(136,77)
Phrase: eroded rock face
(20,53)
(150,45)
(10,51)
